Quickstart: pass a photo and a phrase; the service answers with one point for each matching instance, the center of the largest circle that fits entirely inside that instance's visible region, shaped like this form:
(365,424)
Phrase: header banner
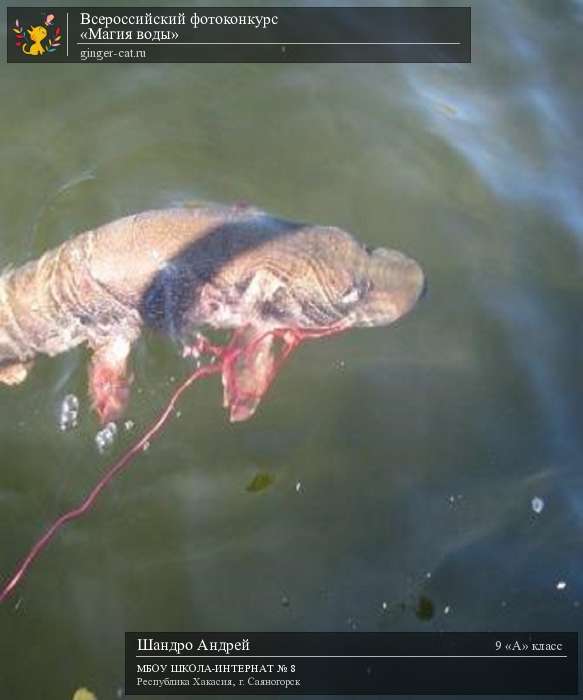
(238,34)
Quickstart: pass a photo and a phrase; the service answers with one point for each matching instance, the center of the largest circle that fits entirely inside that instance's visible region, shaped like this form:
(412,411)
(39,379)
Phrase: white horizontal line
(269,43)
(372,656)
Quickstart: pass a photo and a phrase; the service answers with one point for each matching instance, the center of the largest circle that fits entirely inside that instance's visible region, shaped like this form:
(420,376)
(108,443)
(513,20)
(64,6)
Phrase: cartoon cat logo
(37,36)
(40,39)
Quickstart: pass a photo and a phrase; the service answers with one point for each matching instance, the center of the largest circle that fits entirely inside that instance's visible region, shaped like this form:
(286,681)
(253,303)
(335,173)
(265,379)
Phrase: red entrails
(88,502)
(225,357)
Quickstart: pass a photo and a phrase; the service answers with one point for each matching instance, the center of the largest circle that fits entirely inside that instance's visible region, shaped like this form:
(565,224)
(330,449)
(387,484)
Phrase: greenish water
(417,448)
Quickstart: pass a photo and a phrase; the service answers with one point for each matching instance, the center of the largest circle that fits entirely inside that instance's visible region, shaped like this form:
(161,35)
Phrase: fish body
(178,270)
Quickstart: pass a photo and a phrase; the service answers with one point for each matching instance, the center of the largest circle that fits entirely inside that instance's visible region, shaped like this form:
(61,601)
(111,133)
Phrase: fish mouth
(397,283)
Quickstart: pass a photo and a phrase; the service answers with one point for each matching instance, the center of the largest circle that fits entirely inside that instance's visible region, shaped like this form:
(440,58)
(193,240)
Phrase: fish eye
(351,295)
(356,292)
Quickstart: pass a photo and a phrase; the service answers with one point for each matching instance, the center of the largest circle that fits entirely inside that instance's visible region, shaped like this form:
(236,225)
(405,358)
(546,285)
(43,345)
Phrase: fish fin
(15,373)
(110,379)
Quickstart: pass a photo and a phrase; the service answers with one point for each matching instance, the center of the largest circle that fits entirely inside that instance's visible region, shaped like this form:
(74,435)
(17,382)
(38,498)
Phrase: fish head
(337,282)
(386,287)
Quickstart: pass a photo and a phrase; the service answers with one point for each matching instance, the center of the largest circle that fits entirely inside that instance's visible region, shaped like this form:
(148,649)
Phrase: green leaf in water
(425,609)
(260,482)
(84,694)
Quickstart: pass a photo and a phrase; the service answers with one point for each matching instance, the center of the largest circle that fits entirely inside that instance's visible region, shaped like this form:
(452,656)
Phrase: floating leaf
(84,694)
(260,482)
(425,608)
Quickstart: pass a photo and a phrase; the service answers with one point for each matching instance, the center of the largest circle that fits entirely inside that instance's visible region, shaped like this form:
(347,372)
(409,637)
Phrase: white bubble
(71,402)
(69,414)
(446,610)
(561,585)
(352,623)
(67,424)
(298,486)
(105,437)
(537,504)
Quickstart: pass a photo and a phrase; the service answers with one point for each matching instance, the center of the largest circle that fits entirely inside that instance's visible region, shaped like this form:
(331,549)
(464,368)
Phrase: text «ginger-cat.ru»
(110,54)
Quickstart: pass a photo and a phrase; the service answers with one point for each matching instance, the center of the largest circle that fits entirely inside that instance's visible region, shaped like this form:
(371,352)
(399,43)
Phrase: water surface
(405,459)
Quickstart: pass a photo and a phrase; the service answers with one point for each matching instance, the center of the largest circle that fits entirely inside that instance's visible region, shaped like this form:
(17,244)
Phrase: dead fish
(271,281)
